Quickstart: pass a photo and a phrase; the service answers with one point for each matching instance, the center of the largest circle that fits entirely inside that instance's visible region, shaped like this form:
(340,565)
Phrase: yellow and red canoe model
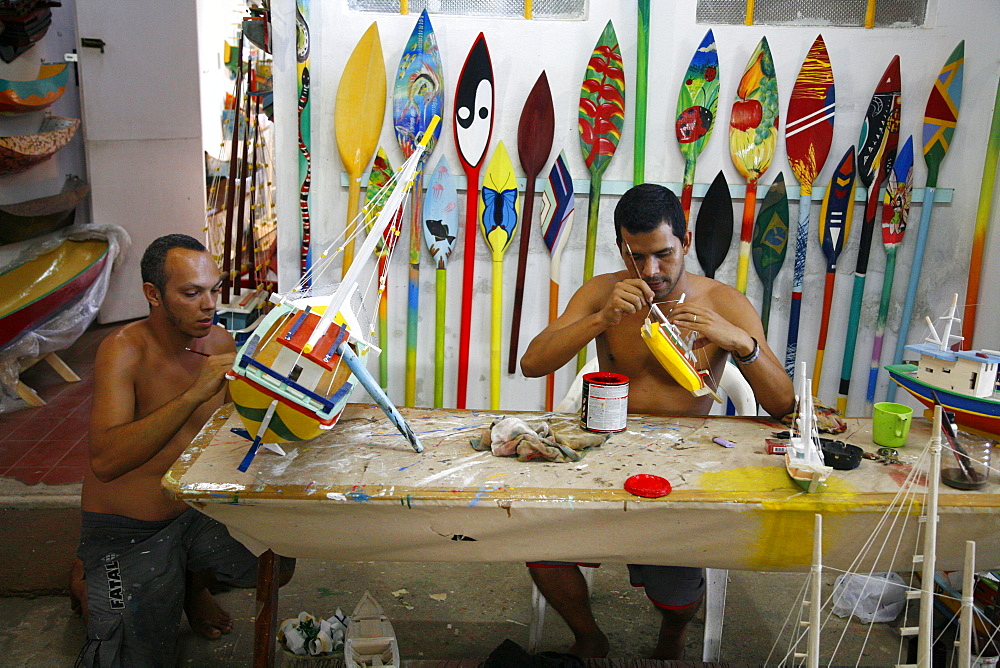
(21,97)
(664,341)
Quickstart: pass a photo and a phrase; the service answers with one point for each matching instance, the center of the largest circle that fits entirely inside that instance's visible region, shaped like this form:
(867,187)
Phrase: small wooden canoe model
(33,218)
(804,457)
(668,347)
(34,291)
(19,152)
(294,375)
(370,640)
(21,97)
(24,23)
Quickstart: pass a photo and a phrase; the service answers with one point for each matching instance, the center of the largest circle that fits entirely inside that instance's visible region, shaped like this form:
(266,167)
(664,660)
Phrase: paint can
(605,402)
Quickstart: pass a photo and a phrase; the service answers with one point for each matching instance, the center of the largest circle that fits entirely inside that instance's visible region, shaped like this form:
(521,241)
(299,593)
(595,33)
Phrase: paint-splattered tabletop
(363,464)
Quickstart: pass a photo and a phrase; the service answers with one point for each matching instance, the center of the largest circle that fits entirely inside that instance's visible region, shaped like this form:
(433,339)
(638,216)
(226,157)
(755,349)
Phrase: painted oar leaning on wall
(556,219)
(641,81)
(713,232)
(357,122)
(302,65)
(940,119)
(808,134)
(498,218)
(418,96)
(697,107)
(879,136)
(534,143)
(895,212)
(440,231)
(473,125)
(770,241)
(834,227)
(753,132)
(601,119)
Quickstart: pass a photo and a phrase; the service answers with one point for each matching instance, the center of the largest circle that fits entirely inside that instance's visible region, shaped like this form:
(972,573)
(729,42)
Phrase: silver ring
(696,318)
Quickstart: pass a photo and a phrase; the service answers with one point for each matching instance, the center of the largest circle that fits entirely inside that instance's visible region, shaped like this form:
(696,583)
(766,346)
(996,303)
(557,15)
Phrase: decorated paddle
(357,121)
(534,143)
(770,241)
(753,133)
(641,81)
(713,233)
(808,133)
(375,197)
(302,65)
(834,227)
(498,221)
(556,219)
(418,96)
(697,106)
(473,130)
(940,119)
(601,119)
(895,211)
(440,230)
(876,153)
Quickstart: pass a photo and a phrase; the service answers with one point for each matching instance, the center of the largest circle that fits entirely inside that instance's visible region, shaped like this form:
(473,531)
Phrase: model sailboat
(804,457)
(294,375)
(669,348)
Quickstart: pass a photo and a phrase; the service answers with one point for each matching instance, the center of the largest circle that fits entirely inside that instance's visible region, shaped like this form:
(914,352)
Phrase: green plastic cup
(891,424)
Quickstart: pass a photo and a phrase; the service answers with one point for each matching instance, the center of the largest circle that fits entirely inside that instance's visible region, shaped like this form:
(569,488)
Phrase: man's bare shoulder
(721,296)
(124,346)
(220,341)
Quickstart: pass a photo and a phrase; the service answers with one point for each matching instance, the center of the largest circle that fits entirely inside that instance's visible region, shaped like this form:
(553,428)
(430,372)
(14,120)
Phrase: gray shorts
(669,587)
(136,571)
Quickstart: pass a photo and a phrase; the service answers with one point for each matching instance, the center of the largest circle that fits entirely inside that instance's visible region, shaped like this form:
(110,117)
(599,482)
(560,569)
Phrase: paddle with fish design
(876,153)
(601,119)
(535,130)
(697,106)
(418,96)
(473,130)
(753,134)
(808,134)
(440,230)
(713,233)
(770,241)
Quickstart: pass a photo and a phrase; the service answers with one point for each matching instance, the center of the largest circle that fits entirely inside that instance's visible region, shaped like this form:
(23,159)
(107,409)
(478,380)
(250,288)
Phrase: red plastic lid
(645,484)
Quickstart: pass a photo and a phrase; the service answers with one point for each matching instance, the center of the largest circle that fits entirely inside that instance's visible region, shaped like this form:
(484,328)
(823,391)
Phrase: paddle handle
(687,188)
(522,265)
(883,315)
(798,276)
(353,199)
(468,276)
(850,342)
(593,209)
(413,291)
(641,79)
(824,326)
(441,285)
(746,236)
(911,288)
(496,331)
(765,306)
(383,321)
(550,380)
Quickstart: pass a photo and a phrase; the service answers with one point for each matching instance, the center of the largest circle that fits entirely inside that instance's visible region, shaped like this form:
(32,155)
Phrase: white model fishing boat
(804,457)
(370,641)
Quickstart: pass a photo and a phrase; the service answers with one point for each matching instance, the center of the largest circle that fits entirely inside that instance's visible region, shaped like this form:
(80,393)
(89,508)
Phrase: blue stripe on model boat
(327,404)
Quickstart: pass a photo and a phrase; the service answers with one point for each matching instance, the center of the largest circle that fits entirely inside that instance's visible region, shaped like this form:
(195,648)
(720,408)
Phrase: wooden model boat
(804,457)
(370,640)
(27,220)
(32,292)
(965,381)
(20,97)
(19,152)
(664,340)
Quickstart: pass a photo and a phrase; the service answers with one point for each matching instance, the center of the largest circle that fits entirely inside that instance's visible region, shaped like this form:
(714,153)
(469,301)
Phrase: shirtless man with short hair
(653,239)
(152,394)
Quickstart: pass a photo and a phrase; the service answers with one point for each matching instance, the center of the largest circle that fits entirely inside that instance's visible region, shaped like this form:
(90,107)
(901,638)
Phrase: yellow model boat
(664,342)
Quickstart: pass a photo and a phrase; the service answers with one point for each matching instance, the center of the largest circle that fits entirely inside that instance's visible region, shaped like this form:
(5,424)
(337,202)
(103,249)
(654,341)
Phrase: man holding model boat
(610,309)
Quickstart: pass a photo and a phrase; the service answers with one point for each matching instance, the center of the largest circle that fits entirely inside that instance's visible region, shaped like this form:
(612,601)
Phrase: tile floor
(49,444)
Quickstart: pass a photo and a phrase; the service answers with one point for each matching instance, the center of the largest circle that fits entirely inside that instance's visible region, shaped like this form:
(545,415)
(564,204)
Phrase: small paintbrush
(197,352)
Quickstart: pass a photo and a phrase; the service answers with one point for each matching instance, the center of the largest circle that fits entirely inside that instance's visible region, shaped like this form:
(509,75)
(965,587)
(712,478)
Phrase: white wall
(521,49)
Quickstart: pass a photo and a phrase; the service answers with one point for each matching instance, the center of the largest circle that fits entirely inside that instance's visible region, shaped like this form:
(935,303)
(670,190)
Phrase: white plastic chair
(741,394)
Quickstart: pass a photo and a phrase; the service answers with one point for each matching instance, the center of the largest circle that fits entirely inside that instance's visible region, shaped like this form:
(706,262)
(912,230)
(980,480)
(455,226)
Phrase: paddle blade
(753,124)
(809,128)
(602,103)
(770,237)
(474,105)
(898,190)
(377,193)
(941,114)
(714,229)
(498,202)
(418,95)
(557,210)
(837,210)
(440,214)
(536,128)
(880,130)
(698,101)
(360,105)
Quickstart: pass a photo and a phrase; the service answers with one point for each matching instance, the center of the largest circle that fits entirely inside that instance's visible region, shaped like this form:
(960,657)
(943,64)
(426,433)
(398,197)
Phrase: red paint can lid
(605,378)
(647,485)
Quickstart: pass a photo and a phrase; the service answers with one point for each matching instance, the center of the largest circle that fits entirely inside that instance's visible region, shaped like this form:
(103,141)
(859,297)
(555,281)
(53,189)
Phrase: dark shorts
(668,587)
(136,573)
